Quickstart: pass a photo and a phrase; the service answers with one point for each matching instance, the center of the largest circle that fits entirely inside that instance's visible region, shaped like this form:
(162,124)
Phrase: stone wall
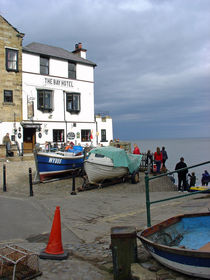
(9,80)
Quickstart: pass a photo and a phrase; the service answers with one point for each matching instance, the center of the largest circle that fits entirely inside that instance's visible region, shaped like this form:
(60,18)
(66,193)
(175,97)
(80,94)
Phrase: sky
(153,58)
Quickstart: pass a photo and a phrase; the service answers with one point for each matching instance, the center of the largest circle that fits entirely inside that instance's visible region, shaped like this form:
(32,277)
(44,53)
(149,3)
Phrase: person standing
(165,157)
(7,142)
(205,178)
(192,179)
(149,161)
(136,150)
(182,180)
(158,159)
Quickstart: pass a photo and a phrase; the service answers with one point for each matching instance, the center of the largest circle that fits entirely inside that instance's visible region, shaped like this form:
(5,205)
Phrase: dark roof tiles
(42,49)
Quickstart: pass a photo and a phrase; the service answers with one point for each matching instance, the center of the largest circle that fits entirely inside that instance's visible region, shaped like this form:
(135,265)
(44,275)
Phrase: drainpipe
(96,131)
(64,113)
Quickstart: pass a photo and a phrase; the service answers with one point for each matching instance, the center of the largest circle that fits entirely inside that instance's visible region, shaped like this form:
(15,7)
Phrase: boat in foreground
(105,163)
(58,163)
(181,243)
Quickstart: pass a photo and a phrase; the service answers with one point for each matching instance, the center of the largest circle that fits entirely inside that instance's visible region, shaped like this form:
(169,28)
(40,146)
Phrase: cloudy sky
(152,56)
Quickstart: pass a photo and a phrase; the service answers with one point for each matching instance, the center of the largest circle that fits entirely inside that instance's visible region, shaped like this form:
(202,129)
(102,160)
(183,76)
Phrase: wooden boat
(181,243)
(58,163)
(100,168)
(107,163)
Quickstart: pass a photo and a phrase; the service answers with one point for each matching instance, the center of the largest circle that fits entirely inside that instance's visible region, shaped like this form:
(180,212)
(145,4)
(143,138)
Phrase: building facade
(10,79)
(47,94)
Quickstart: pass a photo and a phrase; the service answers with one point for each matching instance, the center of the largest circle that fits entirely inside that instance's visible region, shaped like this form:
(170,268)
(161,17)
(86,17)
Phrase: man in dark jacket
(182,181)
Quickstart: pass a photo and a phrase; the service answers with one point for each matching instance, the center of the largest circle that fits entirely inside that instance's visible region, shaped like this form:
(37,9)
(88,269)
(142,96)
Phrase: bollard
(30,183)
(4,179)
(73,192)
(124,251)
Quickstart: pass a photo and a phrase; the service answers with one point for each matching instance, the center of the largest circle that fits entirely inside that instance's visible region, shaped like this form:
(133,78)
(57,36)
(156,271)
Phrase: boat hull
(194,262)
(99,170)
(51,165)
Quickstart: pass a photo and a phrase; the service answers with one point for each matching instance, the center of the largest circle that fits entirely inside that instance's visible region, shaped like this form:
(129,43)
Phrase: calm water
(194,151)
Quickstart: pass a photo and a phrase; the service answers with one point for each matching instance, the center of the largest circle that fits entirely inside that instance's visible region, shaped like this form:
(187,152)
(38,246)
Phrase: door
(29,140)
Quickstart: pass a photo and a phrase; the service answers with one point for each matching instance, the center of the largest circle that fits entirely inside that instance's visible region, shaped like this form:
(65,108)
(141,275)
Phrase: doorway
(29,140)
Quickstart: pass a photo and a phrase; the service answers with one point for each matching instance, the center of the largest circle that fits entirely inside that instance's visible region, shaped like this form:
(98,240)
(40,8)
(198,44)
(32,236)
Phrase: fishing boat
(105,163)
(181,243)
(58,163)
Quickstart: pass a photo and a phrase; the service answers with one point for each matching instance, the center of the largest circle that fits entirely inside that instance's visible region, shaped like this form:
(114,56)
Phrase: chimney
(80,51)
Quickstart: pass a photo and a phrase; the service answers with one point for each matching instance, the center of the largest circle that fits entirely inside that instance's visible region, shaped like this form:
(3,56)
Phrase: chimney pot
(78,46)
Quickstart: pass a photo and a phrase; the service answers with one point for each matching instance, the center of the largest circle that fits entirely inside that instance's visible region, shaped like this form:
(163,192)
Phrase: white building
(58,98)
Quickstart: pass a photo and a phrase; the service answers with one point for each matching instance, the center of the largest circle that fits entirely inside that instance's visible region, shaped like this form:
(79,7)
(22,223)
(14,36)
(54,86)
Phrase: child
(192,179)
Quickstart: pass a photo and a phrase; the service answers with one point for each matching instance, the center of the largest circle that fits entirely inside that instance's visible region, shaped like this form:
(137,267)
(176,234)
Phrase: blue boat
(181,243)
(58,163)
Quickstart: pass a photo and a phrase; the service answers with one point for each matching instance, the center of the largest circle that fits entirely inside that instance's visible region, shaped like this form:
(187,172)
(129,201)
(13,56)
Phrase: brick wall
(10,38)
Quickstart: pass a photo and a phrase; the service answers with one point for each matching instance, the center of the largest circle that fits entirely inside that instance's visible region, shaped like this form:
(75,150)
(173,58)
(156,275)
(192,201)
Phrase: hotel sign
(58,82)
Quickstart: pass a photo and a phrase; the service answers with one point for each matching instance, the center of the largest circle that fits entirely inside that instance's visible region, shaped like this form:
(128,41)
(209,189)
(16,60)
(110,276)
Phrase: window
(11,60)
(71,70)
(85,135)
(44,65)
(8,96)
(103,135)
(58,135)
(73,102)
(44,100)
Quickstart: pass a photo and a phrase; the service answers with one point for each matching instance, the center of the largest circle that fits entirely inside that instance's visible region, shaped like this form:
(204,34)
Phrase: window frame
(44,107)
(72,95)
(10,91)
(87,136)
(7,60)
(56,139)
(72,72)
(44,66)
(102,135)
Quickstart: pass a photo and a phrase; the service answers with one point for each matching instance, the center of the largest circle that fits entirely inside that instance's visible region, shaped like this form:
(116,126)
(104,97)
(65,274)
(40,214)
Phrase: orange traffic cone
(54,249)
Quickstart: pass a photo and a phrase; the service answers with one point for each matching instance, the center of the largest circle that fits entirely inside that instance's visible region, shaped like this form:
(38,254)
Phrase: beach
(87,219)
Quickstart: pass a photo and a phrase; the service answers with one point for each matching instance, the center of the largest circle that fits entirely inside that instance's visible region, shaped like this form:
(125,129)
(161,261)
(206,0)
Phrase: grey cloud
(152,56)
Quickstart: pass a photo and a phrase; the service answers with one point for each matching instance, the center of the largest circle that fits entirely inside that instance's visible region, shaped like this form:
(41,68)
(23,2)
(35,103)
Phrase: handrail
(147,179)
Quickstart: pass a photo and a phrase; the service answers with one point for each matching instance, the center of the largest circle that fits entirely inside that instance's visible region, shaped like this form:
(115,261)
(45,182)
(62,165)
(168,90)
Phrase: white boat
(107,163)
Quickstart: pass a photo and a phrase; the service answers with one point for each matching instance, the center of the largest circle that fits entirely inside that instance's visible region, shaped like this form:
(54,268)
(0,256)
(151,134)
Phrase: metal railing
(147,179)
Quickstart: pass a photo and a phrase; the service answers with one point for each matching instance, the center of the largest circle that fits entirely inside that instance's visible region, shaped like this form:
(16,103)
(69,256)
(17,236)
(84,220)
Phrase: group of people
(160,157)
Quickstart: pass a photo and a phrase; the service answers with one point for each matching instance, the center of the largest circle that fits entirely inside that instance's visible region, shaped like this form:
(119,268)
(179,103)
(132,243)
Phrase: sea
(193,150)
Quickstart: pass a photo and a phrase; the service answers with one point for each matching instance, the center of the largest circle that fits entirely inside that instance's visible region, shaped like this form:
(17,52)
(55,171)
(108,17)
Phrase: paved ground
(86,219)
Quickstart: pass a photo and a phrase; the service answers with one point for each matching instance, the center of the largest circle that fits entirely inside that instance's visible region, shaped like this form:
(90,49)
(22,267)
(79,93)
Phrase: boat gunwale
(62,156)
(112,166)
(178,250)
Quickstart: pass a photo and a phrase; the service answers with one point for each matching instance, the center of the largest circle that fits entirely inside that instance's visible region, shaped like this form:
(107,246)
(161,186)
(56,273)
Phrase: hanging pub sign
(71,135)
(30,108)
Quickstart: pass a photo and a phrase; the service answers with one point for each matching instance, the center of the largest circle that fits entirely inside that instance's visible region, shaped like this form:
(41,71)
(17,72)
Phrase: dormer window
(12,60)
(71,70)
(44,65)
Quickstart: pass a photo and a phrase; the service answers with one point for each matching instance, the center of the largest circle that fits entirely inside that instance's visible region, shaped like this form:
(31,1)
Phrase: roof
(42,49)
